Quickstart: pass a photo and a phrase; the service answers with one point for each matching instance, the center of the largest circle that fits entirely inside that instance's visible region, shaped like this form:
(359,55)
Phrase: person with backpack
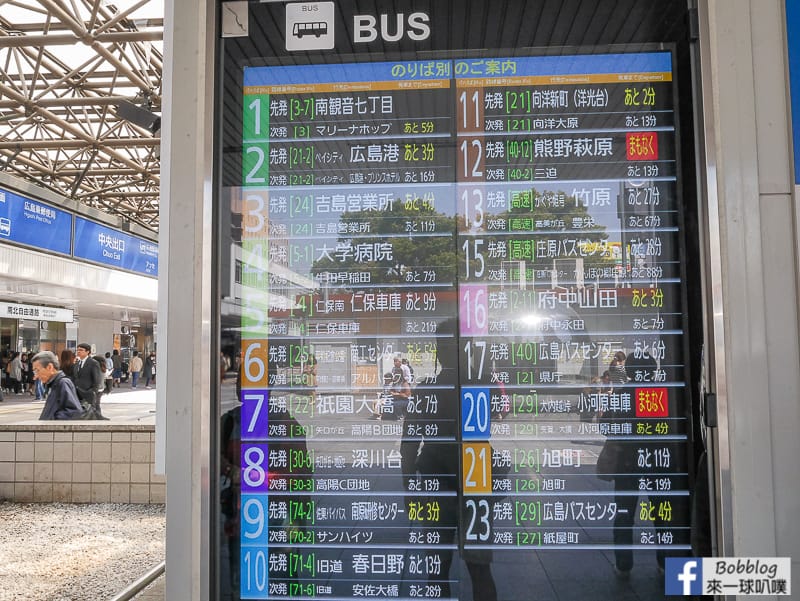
(116,363)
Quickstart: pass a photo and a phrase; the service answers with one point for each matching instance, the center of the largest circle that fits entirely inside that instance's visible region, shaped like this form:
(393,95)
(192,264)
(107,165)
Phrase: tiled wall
(93,464)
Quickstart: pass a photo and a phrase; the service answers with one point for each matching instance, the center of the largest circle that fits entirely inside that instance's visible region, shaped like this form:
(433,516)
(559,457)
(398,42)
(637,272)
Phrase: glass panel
(452,320)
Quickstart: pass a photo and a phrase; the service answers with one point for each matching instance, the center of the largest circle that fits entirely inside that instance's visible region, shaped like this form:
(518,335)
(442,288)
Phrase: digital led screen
(459,346)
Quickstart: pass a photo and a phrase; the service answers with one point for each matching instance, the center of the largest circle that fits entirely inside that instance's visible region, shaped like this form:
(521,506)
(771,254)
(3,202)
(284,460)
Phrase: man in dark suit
(88,381)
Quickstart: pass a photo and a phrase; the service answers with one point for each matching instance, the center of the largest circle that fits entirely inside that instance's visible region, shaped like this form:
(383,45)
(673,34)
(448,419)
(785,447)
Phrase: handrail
(136,587)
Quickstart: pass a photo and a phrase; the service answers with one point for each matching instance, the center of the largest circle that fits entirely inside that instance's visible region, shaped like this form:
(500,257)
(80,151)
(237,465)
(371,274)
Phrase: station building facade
(65,282)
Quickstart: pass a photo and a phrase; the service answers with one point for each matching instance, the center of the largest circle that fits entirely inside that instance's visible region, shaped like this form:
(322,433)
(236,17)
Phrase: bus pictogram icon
(316,29)
(310,26)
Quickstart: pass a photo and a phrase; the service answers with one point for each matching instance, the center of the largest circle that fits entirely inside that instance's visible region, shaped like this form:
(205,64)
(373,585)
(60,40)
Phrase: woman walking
(14,371)
(67,362)
(150,370)
(27,373)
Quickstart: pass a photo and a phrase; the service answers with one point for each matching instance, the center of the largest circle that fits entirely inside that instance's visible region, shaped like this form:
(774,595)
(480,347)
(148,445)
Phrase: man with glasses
(62,400)
(88,379)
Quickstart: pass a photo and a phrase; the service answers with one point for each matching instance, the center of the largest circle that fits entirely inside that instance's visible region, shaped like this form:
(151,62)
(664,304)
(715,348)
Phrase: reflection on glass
(454,315)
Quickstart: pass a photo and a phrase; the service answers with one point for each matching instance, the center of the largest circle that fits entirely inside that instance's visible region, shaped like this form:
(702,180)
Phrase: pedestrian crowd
(73,383)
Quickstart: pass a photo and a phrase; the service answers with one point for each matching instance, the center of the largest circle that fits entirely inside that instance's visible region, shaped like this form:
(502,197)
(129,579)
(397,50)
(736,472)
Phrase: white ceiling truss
(65,67)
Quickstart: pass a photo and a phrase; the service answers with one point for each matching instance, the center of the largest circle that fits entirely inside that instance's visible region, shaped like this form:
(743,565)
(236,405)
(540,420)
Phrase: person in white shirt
(135,369)
(403,368)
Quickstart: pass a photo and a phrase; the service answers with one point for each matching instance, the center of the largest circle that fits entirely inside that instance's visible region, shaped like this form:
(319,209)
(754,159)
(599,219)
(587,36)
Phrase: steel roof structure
(80,99)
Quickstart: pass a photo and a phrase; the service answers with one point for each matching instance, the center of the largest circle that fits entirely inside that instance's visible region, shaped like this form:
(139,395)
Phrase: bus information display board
(460,347)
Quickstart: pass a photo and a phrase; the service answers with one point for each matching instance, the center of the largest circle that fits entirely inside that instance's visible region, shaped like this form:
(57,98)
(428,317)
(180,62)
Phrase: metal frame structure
(66,67)
(718,443)
(186,345)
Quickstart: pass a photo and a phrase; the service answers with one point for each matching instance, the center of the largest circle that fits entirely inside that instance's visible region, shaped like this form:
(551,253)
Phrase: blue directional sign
(34,223)
(101,244)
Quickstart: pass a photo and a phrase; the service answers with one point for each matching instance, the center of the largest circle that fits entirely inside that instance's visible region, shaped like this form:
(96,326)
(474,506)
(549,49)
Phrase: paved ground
(123,405)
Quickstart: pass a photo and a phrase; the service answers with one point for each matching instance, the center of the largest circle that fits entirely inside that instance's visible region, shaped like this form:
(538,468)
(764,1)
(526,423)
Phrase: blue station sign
(107,246)
(33,223)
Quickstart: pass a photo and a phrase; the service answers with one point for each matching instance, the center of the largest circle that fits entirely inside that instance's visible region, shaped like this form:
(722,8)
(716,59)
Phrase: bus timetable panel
(461,335)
